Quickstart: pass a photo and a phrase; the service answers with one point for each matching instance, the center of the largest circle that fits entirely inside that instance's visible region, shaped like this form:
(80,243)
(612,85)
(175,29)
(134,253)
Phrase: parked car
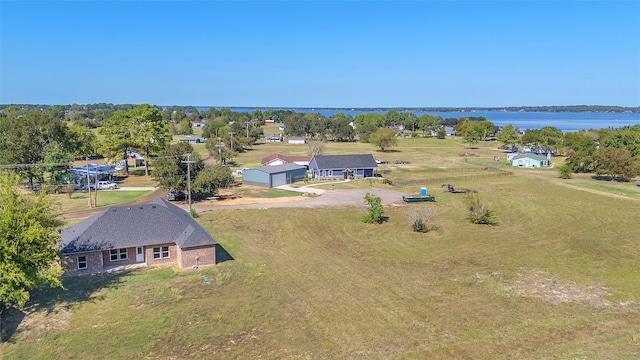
(176,196)
(103,185)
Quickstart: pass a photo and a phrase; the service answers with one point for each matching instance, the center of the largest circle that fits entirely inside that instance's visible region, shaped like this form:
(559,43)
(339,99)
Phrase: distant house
(192,139)
(199,124)
(296,140)
(154,233)
(342,166)
(531,160)
(274,138)
(134,159)
(279,159)
(272,176)
(269,122)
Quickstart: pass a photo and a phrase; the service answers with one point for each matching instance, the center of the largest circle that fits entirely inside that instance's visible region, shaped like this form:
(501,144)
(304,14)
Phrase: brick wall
(131,258)
(148,254)
(207,256)
(94,263)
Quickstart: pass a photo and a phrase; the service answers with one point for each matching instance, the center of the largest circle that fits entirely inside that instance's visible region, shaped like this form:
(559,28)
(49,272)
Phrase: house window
(161,252)
(329,173)
(82,262)
(118,254)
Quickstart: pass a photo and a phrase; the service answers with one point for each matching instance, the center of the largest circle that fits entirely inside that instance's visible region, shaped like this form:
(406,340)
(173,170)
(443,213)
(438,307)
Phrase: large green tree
(170,170)
(25,140)
(509,135)
(28,243)
(384,138)
(119,138)
(213,178)
(150,131)
(615,163)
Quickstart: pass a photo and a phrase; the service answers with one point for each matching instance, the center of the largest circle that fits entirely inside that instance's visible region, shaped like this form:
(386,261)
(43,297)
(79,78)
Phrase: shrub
(375,211)
(478,212)
(565,172)
(419,217)
(194,214)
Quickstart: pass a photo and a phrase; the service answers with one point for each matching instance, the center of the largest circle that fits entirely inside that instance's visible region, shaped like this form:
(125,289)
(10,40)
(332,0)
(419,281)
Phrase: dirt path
(592,191)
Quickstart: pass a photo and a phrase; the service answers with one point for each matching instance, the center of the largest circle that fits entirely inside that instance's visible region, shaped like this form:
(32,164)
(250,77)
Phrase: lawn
(80,200)
(557,278)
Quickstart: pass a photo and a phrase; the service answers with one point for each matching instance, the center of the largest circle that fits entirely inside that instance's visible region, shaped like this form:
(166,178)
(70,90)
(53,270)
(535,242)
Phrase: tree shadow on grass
(76,289)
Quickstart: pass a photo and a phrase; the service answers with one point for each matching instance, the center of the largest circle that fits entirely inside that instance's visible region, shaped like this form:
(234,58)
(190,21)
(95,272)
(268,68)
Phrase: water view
(565,121)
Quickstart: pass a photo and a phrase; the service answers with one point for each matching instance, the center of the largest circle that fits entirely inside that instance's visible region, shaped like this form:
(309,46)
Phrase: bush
(565,172)
(478,212)
(419,217)
(194,214)
(375,210)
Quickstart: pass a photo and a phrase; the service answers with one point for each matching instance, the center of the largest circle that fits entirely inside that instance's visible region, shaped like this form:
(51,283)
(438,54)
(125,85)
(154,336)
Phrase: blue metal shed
(272,176)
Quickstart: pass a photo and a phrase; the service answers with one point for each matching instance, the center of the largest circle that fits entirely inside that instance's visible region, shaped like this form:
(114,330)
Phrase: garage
(272,176)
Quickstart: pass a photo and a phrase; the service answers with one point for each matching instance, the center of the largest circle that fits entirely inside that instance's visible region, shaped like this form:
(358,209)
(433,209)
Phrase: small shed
(272,176)
(192,139)
(296,140)
(531,160)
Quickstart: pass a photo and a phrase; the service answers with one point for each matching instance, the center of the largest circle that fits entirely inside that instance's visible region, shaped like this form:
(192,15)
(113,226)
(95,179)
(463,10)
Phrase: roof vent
(140,207)
(114,209)
(128,208)
(153,206)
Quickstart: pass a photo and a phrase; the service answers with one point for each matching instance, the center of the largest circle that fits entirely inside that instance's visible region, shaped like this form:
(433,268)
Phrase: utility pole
(231,133)
(189,162)
(247,129)
(89,183)
(220,146)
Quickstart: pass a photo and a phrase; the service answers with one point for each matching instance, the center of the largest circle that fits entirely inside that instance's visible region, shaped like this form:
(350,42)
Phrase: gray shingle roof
(353,161)
(158,222)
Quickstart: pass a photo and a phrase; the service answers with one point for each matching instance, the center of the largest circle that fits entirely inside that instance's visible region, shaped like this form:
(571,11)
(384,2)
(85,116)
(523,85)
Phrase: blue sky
(321,53)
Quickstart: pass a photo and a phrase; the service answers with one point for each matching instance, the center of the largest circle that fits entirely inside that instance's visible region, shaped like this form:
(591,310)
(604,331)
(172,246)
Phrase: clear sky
(321,53)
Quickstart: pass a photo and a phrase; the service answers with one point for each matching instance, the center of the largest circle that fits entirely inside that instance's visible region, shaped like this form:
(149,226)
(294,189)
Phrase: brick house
(149,234)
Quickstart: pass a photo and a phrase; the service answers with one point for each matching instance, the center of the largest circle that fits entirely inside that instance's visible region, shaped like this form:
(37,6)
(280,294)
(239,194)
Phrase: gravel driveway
(330,198)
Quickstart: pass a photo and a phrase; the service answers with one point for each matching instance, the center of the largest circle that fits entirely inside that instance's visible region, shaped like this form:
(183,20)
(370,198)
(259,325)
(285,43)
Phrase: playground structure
(451,189)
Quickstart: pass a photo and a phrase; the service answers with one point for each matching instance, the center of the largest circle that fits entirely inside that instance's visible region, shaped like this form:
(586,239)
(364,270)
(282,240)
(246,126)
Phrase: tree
(419,218)
(118,137)
(169,170)
(315,147)
(213,178)
(478,212)
(340,127)
(565,171)
(470,135)
(375,210)
(616,163)
(384,138)
(151,132)
(509,135)
(579,148)
(28,243)
(25,140)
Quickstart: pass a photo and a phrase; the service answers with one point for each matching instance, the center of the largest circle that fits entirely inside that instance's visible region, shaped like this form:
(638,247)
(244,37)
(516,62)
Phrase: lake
(565,121)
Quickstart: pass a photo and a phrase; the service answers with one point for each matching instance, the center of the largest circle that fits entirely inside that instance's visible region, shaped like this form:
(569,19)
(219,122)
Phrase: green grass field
(80,200)
(557,278)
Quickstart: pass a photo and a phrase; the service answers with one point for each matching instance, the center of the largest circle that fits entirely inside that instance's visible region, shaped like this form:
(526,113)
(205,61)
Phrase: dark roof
(355,161)
(280,168)
(158,222)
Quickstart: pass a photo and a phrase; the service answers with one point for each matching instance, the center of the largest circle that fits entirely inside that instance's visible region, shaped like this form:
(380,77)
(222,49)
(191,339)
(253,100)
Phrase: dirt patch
(546,286)
(249,200)
(32,323)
